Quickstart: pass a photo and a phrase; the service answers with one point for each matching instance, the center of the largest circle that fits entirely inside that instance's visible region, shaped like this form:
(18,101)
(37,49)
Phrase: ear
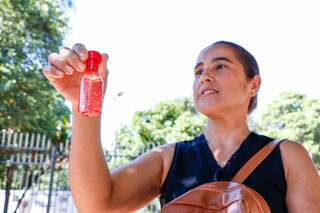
(255,85)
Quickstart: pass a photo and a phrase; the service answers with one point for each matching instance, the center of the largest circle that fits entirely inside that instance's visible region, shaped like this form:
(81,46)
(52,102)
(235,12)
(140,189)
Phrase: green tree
(296,117)
(29,31)
(169,121)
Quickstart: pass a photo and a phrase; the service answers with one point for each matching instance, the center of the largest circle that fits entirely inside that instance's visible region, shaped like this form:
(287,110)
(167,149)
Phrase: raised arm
(94,187)
(125,189)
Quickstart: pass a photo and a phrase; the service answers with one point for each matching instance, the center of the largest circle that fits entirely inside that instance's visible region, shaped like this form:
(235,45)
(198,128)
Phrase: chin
(207,110)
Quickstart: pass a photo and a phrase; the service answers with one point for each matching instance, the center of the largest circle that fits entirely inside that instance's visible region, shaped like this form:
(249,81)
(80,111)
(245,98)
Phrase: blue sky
(153,46)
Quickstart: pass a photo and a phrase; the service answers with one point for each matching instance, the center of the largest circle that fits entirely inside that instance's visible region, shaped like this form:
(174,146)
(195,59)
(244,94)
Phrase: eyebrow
(214,60)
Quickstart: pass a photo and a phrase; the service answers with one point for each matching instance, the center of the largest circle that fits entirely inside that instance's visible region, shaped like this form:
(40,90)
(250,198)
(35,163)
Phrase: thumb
(103,69)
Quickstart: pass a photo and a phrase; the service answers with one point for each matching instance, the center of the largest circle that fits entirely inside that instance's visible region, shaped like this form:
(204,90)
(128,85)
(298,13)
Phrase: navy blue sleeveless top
(193,164)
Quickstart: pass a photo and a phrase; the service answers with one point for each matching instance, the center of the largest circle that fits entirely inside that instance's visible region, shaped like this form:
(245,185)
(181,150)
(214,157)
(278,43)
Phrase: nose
(206,76)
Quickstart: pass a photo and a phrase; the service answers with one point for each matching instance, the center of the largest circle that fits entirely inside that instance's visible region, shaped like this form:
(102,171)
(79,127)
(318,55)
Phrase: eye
(198,72)
(220,66)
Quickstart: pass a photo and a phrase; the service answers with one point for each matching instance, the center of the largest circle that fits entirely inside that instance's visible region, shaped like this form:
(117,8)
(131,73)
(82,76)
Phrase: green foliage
(29,31)
(168,121)
(296,117)
(291,115)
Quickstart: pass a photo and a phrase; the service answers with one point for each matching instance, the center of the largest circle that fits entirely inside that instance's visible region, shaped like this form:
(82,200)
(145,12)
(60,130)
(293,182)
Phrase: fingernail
(82,55)
(106,56)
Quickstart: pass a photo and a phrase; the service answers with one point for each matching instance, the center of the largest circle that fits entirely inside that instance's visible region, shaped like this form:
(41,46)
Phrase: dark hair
(248,62)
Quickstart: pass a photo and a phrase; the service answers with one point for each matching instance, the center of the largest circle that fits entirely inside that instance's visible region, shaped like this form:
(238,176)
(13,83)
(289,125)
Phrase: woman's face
(220,84)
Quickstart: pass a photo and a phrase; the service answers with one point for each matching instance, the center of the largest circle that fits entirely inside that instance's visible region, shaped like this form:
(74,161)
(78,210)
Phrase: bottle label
(90,97)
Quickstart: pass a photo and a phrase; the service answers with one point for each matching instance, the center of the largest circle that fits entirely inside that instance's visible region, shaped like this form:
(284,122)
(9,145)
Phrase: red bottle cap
(95,55)
(93,61)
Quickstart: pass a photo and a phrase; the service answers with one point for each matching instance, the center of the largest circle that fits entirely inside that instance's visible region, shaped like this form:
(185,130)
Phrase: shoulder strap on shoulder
(254,161)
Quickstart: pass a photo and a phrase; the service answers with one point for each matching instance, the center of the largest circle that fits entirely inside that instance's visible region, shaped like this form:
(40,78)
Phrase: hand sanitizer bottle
(91,88)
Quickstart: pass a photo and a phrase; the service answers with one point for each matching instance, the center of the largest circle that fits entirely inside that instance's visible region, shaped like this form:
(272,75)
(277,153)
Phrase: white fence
(62,202)
(36,202)
(35,172)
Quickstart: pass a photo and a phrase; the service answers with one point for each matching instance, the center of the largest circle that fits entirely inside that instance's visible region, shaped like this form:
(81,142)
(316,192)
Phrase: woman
(225,88)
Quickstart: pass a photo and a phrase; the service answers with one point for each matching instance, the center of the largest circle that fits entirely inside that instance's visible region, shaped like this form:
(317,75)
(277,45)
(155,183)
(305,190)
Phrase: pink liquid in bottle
(91,88)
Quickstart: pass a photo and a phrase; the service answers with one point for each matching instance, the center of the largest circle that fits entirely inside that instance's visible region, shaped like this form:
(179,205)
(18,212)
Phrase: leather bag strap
(254,161)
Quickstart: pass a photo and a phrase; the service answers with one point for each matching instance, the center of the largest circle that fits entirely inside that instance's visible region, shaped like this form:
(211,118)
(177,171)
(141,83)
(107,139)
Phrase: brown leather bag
(225,196)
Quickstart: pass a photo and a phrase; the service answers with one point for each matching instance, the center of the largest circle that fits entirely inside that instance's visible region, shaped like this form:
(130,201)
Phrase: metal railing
(33,173)
(28,162)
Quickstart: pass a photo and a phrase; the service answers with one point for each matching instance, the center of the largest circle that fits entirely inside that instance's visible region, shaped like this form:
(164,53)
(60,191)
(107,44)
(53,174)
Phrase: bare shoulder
(292,146)
(295,157)
(303,180)
(167,151)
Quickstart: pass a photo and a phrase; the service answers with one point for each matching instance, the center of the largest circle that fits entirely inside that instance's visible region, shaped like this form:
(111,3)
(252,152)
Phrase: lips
(208,91)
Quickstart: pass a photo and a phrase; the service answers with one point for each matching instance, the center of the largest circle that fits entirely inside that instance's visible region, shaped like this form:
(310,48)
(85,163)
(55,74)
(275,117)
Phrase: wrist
(75,113)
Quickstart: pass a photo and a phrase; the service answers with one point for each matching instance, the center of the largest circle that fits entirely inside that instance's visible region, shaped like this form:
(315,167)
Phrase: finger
(52,73)
(60,63)
(103,69)
(72,59)
(81,51)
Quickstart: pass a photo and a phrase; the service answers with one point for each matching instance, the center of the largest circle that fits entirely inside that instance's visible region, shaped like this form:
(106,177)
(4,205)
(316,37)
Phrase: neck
(226,133)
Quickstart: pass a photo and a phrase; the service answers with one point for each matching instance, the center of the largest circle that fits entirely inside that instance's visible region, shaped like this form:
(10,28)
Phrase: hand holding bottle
(66,69)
